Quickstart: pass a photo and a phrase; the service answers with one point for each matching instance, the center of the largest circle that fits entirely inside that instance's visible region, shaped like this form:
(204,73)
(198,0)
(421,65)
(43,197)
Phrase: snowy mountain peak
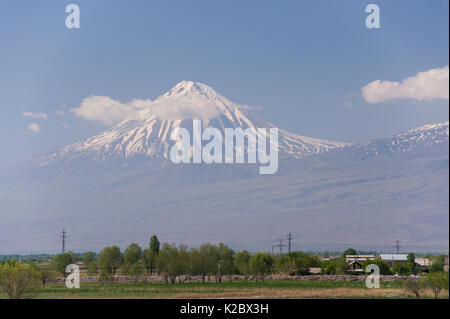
(189,88)
(190,100)
(149,135)
(438,127)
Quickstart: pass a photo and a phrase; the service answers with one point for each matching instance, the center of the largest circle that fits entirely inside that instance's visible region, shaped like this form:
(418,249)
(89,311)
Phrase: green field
(238,289)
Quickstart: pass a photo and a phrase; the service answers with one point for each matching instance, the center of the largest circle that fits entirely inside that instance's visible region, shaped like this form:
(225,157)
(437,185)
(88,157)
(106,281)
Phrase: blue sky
(303,62)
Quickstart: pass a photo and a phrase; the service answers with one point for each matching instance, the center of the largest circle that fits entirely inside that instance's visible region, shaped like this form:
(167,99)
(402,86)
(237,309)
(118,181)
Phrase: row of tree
(173,261)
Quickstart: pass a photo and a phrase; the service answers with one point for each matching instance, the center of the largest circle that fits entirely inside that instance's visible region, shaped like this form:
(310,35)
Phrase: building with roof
(422,262)
(355,262)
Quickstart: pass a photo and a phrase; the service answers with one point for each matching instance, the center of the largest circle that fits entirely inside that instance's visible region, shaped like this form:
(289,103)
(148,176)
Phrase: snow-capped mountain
(411,141)
(147,136)
(370,193)
(120,187)
(427,140)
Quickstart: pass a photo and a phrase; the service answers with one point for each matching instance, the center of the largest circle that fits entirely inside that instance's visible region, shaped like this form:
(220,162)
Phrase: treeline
(26,258)
(173,261)
(219,261)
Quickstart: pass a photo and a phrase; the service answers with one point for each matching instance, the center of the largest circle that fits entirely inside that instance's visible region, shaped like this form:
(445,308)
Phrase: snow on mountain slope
(370,193)
(149,133)
(411,140)
(422,141)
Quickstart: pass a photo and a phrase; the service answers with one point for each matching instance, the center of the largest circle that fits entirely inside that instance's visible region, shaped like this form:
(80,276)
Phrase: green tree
(416,287)
(437,263)
(224,262)
(334,266)
(208,260)
(18,280)
(411,258)
(150,254)
(402,269)
(61,261)
(285,264)
(149,260)
(349,251)
(92,268)
(136,270)
(261,264)
(301,266)
(170,261)
(302,261)
(183,261)
(133,254)
(45,273)
(241,262)
(154,244)
(436,282)
(109,261)
(88,257)
(384,267)
(194,263)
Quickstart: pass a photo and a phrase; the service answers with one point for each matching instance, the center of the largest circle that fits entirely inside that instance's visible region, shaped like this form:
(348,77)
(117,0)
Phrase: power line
(280,245)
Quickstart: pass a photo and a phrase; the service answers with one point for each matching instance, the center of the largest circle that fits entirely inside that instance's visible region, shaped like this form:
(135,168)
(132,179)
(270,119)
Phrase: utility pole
(397,246)
(63,237)
(289,243)
(280,245)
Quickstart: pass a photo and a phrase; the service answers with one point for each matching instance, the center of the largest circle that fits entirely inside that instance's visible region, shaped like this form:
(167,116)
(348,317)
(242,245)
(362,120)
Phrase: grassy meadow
(237,289)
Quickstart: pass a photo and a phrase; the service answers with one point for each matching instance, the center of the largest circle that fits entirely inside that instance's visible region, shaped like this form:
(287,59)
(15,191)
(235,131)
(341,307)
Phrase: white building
(394,258)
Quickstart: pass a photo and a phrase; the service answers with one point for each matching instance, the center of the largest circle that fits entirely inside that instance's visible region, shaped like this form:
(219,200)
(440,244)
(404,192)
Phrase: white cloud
(431,84)
(187,100)
(60,113)
(35,116)
(33,128)
(107,110)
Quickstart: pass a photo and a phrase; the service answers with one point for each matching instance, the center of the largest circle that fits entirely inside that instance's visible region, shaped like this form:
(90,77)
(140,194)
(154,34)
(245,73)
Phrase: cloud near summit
(205,104)
(109,111)
(431,84)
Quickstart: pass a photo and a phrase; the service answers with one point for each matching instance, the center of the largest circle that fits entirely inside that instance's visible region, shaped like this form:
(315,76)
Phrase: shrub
(416,287)
(436,282)
(18,280)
